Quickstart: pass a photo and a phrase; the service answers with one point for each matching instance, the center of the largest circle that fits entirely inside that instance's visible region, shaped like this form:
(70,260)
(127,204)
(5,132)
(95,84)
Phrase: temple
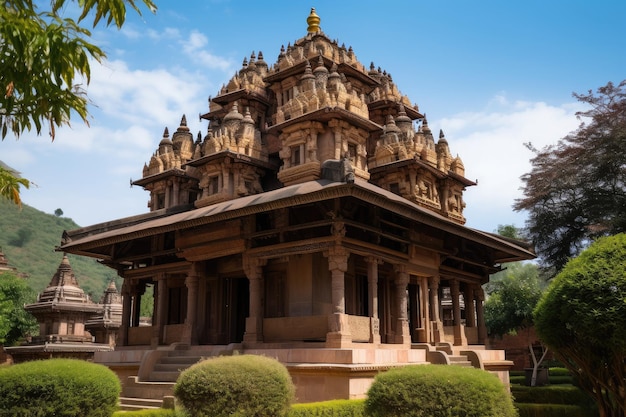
(66,317)
(318,220)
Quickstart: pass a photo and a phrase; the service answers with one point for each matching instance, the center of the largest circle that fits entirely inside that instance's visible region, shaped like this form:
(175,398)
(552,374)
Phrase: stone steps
(134,404)
(460,360)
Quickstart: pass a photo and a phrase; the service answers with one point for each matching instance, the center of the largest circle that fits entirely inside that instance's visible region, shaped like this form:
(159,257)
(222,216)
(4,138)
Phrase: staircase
(158,373)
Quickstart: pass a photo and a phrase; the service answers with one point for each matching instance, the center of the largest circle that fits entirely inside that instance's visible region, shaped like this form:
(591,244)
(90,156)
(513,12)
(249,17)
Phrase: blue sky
(492,74)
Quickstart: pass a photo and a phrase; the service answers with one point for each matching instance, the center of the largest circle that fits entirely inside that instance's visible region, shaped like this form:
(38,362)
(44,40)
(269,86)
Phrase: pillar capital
(433,282)
(479,293)
(337,258)
(373,260)
(402,276)
(253,267)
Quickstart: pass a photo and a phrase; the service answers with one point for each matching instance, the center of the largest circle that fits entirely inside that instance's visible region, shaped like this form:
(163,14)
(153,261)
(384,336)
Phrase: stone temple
(318,221)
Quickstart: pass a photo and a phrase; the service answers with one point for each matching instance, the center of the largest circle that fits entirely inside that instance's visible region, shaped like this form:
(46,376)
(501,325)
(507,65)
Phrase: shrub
(58,387)
(438,390)
(334,408)
(555,394)
(161,412)
(555,410)
(241,385)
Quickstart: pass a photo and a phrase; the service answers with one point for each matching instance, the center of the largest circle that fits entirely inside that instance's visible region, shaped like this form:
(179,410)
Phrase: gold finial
(313,21)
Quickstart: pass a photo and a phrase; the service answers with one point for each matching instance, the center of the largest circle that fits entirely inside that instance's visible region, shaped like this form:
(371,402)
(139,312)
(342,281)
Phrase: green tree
(45,60)
(509,307)
(582,317)
(58,212)
(576,189)
(10,183)
(15,322)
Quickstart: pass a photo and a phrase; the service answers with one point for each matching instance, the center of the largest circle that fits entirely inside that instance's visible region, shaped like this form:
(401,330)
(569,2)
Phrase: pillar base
(374,330)
(404,338)
(338,340)
(254,330)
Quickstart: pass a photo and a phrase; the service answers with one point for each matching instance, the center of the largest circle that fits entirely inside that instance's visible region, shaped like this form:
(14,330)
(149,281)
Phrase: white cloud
(491,145)
(195,48)
(144,97)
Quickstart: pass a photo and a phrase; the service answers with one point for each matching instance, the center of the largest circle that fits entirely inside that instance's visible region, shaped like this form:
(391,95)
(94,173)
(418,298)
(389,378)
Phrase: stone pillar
(176,193)
(190,336)
(372,291)
(456,313)
(160,310)
(137,291)
(339,332)
(424,309)
(479,295)
(225,180)
(470,312)
(403,334)
(122,335)
(253,268)
(437,325)
(312,145)
(168,194)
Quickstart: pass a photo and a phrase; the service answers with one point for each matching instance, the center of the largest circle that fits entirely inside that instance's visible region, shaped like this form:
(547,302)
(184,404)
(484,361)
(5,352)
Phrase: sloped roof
(81,240)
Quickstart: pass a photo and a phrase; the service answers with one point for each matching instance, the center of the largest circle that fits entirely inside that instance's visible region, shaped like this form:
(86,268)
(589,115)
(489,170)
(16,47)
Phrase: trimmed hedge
(554,410)
(438,391)
(161,412)
(334,408)
(58,387)
(233,386)
(551,394)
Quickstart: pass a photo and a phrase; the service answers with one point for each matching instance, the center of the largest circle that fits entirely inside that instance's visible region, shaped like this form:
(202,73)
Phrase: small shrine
(62,310)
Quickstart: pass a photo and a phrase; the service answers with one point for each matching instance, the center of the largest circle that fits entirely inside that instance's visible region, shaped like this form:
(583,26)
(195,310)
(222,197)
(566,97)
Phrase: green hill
(28,238)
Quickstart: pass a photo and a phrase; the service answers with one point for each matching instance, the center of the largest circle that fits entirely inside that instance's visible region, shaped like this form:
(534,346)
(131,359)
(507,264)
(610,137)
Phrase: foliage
(510,231)
(45,59)
(554,410)
(161,412)
(576,189)
(10,183)
(58,387)
(36,256)
(552,394)
(438,390)
(582,317)
(15,322)
(236,386)
(334,408)
(512,299)
(58,212)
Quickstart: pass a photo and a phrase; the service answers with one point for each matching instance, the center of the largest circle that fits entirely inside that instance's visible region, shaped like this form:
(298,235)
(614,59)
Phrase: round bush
(438,391)
(58,387)
(241,385)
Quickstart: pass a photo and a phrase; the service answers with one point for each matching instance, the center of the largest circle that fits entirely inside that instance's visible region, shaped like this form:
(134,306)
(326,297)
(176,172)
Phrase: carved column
(372,290)
(122,335)
(253,268)
(168,194)
(339,332)
(425,309)
(190,336)
(312,145)
(479,295)
(160,310)
(403,334)
(470,312)
(176,193)
(437,326)
(456,313)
